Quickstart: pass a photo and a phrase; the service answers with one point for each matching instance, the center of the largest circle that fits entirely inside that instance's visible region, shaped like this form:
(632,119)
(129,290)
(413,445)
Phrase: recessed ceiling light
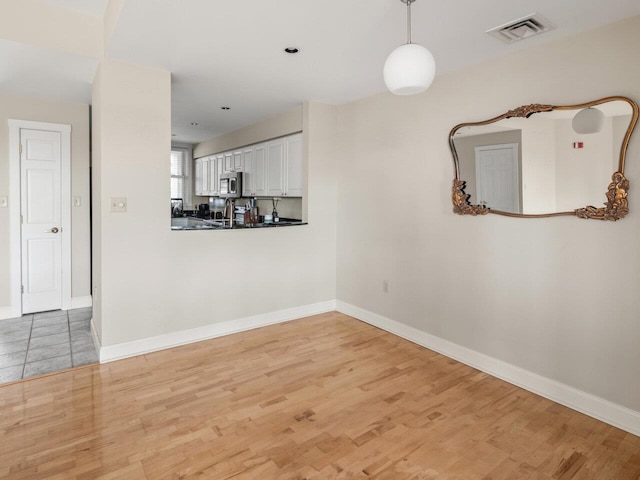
(291,50)
(225,108)
(194,124)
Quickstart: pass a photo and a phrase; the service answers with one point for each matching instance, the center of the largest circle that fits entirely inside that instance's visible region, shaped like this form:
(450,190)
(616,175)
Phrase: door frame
(15,228)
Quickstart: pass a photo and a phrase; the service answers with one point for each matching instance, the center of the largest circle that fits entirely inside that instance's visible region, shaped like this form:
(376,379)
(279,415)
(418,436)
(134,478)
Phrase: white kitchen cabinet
(220,171)
(233,161)
(293,178)
(207,175)
(248,173)
(215,167)
(236,164)
(201,182)
(260,170)
(270,169)
(197,181)
(254,181)
(284,167)
(275,167)
(228,162)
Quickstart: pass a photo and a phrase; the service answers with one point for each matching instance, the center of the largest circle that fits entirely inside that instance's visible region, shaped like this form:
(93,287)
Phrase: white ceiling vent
(522,28)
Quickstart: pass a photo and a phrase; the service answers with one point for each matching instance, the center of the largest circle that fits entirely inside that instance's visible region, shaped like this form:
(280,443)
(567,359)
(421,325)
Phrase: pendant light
(588,120)
(410,68)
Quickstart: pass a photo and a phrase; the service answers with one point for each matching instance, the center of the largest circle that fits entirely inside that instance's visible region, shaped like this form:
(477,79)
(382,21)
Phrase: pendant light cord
(409,2)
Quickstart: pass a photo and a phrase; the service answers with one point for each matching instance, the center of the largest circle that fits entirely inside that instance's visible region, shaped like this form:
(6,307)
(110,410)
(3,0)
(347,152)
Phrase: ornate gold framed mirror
(545,160)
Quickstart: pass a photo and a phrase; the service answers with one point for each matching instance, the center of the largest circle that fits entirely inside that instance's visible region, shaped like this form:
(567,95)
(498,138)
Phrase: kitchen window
(180,175)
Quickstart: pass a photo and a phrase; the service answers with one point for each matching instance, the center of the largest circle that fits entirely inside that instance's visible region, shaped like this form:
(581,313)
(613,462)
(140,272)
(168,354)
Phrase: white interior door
(41,229)
(497,179)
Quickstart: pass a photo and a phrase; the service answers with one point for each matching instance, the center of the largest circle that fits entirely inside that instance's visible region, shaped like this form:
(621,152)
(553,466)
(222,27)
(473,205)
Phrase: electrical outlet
(4,201)
(118,204)
(385,286)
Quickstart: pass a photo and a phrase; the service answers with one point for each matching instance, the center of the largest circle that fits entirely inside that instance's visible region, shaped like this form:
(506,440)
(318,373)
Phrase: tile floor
(45,342)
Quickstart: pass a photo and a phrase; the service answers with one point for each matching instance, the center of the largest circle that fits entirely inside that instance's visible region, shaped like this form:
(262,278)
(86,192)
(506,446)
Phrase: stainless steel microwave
(231,185)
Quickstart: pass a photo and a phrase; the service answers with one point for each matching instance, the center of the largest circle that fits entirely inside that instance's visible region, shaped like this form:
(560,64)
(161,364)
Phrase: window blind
(178,174)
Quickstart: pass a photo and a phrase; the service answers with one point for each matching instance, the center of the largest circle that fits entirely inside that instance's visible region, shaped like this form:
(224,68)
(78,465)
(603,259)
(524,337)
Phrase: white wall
(555,296)
(539,166)
(620,124)
(153,281)
(76,115)
(583,173)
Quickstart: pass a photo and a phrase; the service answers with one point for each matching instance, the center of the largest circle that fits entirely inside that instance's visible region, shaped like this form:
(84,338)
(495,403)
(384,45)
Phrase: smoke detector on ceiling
(522,28)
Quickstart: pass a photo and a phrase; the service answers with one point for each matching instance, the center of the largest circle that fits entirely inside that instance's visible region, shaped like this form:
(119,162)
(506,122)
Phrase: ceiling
(231,53)
(31,70)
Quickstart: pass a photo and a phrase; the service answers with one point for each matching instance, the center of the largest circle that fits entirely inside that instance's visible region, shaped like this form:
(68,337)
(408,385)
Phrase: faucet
(229,201)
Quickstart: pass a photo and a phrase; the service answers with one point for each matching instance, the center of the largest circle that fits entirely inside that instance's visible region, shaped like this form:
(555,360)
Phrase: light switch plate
(118,204)
(4,201)
(77,201)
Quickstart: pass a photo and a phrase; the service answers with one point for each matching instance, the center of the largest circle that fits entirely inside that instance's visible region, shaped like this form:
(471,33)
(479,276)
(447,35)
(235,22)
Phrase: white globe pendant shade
(409,69)
(588,120)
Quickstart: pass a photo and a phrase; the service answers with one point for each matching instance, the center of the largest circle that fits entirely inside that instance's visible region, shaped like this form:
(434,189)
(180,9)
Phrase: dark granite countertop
(193,223)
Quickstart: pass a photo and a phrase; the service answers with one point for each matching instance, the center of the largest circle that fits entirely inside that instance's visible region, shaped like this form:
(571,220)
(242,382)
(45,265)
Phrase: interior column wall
(151,280)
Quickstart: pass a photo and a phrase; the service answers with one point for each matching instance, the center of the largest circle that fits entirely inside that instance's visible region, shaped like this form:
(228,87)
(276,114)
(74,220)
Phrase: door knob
(54,230)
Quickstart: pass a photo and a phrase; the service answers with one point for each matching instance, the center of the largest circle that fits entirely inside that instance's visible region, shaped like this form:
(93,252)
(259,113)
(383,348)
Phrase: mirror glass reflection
(540,165)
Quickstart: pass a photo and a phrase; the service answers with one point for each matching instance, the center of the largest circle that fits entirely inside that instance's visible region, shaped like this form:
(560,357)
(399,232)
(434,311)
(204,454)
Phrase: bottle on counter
(276,218)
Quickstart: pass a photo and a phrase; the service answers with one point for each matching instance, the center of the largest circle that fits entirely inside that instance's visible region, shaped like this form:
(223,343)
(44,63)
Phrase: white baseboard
(6,312)
(76,302)
(110,353)
(604,410)
(596,407)
(81,302)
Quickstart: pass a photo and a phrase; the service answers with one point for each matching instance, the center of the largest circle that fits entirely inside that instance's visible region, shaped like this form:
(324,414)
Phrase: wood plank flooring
(325,397)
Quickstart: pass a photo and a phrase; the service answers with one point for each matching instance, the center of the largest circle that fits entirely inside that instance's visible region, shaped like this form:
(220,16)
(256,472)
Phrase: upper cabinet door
(219,170)
(205,176)
(275,167)
(248,175)
(198,179)
(294,184)
(214,176)
(228,162)
(260,170)
(236,166)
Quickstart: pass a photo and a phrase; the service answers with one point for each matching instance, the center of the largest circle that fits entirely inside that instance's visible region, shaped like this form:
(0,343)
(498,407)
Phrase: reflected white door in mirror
(543,160)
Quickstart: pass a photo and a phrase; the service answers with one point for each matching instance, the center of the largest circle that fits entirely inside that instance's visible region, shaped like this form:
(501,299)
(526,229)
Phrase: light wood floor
(325,397)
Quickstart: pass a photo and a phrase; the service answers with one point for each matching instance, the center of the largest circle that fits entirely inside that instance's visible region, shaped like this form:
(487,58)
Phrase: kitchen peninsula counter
(193,223)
